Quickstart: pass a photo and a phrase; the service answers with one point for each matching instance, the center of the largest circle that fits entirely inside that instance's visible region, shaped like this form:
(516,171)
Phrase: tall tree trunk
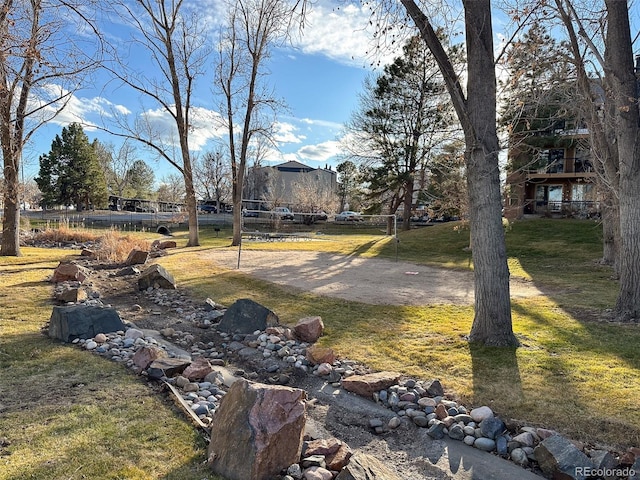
(610,213)
(11,217)
(620,69)
(477,114)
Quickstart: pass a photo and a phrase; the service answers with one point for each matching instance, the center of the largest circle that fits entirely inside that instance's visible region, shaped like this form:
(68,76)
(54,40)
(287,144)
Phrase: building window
(551,161)
(582,192)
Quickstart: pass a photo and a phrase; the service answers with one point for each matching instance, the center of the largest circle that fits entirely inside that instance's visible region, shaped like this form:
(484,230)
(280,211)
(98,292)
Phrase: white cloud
(83,110)
(205,126)
(286,133)
(340,32)
(320,152)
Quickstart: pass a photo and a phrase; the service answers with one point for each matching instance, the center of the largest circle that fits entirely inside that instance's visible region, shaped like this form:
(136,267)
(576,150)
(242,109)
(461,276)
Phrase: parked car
(249,213)
(348,216)
(136,207)
(207,208)
(282,213)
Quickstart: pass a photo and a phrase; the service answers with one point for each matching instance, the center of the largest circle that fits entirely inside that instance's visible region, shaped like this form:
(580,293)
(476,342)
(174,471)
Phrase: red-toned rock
(66,272)
(317,355)
(309,329)
(366,385)
(198,369)
(257,431)
(338,460)
(147,355)
(72,294)
(363,466)
(137,257)
(324,447)
(441,412)
(164,244)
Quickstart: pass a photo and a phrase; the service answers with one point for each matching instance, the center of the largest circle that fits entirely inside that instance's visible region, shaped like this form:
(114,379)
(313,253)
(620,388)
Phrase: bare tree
(213,174)
(116,163)
(171,189)
(476,111)
(175,42)
(42,63)
(253,28)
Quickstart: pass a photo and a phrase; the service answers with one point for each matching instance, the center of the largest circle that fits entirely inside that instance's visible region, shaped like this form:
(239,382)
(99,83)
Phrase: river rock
(156,275)
(309,329)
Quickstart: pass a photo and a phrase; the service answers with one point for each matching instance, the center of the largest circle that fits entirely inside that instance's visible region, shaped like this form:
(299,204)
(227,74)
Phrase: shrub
(115,247)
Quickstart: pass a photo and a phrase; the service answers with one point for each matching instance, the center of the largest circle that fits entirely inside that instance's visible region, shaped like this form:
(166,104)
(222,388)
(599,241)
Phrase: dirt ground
(368,280)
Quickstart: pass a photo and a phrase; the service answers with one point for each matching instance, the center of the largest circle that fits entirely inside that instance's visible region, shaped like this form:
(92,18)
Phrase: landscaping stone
(318,355)
(167,367)
(434,388)
(480,413)
(246,316)
(557,456)
(83,321)
(491,427)
(156,276)
(137,257)
(365,467)
(198,369)
(71,295)
(257,432)
(486,444)
(66,272)
(366,385)
(146,355)
(309,329)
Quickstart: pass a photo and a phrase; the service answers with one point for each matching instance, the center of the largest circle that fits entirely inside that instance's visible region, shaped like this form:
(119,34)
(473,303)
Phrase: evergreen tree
(139,180)
(70,174)
(404,114)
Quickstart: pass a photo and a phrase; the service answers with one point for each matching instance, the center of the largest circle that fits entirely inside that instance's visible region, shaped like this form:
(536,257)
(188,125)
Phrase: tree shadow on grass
(493,366)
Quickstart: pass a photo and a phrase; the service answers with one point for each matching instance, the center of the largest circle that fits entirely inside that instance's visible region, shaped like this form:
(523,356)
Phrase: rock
(156,275)
(525,439)
(257,431)
(137,257)
(295,471)
(366,385)
(322,447)
(519,457)
(313,461)
(603,461)
(165,244)
(394,423)
(456,432)
(436,430)
(83,321)
(100,338)
(210,306)
(480,413)
(246,316)
(198,369)
(85,252)
(366,467)
(421,421)
(469,440)
(127,271)
(167,367)
(441,412)
(145,356)
(486,444)
(502,445)
(324,369)
(317,473)
(427,402)
(134,333)
(66,272)
(318,355)
(491,427)
(434,388)
(309,329)
(71,295)
(636,470)
(557,456)
(336,461)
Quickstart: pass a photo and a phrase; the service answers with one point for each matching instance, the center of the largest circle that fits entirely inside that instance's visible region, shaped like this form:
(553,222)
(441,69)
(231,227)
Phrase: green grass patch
(573,373)
(70,414)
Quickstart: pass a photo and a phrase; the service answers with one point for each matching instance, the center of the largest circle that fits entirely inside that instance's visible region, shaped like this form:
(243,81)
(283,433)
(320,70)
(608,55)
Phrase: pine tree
(70,174)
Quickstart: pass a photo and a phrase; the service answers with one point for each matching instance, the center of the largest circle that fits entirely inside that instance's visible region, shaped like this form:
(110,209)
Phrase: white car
(283,213)
(349,216)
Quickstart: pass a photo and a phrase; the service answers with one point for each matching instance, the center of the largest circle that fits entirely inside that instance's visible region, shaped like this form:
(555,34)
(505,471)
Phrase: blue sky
(319,77)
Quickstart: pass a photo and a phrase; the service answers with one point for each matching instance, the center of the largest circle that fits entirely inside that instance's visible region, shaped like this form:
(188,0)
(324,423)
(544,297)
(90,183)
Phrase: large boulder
(365,467)
(246,316)
(559,458)
(83,321)
(257,431)
(137,257)
(156,276)
(66,272)
(366,385)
